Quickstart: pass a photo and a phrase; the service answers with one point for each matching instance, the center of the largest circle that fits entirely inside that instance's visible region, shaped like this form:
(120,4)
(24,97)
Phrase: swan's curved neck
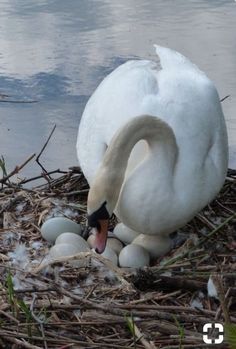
(110,176)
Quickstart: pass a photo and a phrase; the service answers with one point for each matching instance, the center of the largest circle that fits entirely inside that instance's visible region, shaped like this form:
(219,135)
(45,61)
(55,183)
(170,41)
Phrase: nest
(56,305)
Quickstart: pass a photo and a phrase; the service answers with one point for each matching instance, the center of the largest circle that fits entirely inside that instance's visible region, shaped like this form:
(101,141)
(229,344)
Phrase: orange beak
(101,236)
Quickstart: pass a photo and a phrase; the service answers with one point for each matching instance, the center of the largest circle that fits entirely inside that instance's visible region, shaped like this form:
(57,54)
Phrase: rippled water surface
(56,52)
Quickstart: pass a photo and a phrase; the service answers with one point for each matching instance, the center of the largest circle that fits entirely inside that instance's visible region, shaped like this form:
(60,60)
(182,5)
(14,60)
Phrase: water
(56,52)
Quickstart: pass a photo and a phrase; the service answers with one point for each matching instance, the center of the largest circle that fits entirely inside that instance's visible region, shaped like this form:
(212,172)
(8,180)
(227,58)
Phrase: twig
(194,346)
(22,344)
(208,236)
(224,98)
(164,282)
(41,151)
(205,221)
(75,192)
(38,320)
(41,176)
(17,169)
(139,335)
(10,202)
(201,242)
(220,290)
(86,255)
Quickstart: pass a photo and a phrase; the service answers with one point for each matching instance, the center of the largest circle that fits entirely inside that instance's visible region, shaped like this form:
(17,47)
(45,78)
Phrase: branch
(16,169)
(43,148)
(222,99)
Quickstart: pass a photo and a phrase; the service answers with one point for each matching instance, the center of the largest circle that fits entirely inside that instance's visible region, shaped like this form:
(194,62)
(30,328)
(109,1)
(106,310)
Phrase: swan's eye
(100,214)
(93,222)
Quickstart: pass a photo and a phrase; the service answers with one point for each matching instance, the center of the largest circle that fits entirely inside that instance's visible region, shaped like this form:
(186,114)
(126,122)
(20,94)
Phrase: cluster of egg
(66,237)
(139,248)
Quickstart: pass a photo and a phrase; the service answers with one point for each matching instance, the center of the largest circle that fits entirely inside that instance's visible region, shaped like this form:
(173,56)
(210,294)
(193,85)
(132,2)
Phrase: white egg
(134,256)
(125,234)
(115,244)
(55,226)
(73,239)
(111,255)
(65,250)
(91,240)
(156,245)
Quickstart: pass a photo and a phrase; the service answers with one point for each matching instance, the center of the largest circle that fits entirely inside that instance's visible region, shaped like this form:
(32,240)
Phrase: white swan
(152,145)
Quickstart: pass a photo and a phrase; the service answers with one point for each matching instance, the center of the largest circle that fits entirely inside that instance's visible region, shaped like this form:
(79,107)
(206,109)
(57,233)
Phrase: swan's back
(181,95)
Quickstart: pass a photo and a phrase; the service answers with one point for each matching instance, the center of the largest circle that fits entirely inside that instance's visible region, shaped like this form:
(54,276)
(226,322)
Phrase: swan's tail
(170,58)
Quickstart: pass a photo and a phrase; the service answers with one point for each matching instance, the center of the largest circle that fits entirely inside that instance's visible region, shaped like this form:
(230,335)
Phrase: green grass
(230,334)
(130,324)
(181,332)
(18,305)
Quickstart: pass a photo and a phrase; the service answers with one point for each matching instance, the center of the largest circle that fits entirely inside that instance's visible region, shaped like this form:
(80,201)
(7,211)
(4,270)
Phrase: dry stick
(217,229)
(185,253)
(75,192)
(220,290)
(59,338)
(222,99)
(56,339)
(22,344)
(85,255)
(225,208)
(17,169)
(29,290)
(139,335)
(193,346)
(9,317)
(9,203)
(167,308)
(41,176)
(40,153)
(55,182)
(77,324)
(38,320)
(107,308)
(155,298)
(176,282)
(160,312)
(205,221)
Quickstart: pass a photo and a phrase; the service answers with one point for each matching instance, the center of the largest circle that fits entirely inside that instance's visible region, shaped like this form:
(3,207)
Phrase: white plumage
(167,183)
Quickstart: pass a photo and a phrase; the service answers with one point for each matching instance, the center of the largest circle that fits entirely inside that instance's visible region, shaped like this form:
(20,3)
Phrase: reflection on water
(57,52)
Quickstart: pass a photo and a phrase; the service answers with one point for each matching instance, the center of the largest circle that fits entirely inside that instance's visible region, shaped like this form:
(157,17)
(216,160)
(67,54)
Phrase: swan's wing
(117,99)
(171,59)
(178,93)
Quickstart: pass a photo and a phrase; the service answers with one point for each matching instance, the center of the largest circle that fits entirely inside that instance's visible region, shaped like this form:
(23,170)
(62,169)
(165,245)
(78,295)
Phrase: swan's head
(102,199)
(105,189)
(99,220)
